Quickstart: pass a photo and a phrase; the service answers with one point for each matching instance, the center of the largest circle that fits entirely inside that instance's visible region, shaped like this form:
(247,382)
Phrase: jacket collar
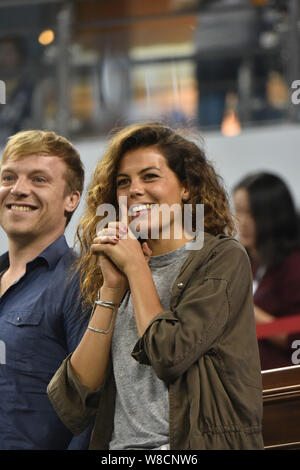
(197,257)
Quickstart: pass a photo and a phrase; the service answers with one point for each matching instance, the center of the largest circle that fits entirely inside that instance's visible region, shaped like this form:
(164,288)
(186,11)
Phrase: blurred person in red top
(268,227)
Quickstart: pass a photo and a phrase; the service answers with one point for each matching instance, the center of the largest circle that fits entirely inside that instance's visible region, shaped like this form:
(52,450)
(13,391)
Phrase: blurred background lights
(46,37)
(231,125)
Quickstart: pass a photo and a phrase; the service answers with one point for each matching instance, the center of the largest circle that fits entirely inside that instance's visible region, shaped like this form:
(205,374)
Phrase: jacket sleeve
(75,404)
(175,339)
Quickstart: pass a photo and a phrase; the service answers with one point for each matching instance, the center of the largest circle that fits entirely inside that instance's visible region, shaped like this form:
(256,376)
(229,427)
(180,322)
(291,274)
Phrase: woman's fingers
(109,235)
(108,238)
(146,250)
(102,247)
(113,232)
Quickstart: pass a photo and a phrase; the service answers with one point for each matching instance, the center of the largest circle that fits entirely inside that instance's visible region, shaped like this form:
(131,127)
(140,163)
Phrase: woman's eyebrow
(141,171)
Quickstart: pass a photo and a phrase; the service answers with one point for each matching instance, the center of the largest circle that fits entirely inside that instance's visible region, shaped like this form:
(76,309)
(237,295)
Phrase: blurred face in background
(245,220)
(9,55)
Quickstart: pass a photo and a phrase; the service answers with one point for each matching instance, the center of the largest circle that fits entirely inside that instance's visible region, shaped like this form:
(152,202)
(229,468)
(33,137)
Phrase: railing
(289,324)
(281,402)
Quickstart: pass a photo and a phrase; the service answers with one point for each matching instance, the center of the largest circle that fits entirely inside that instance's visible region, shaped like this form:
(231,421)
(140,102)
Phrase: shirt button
(180,285)
(19,318)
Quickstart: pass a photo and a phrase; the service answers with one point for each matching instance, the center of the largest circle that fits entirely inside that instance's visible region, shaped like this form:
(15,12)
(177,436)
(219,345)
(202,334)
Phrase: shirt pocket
(24,335)
(25,318)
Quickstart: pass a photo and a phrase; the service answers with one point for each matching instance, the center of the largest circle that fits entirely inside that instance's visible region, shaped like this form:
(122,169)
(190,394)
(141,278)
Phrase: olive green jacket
(204,348)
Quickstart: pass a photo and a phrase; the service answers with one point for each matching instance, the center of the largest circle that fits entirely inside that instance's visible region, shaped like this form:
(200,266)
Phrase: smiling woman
(167,316)
(179,157)
(150,183)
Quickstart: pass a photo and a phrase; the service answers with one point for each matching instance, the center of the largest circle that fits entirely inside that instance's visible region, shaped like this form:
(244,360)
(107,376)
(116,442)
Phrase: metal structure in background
(18,3)
(65,24)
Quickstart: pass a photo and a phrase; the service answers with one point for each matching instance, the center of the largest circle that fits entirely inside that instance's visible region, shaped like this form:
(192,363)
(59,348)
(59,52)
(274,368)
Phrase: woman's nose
(136,188)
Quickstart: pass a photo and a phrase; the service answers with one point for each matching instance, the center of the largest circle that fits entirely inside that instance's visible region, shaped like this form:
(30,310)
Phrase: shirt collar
(54,251)
(4,262)
(51,254)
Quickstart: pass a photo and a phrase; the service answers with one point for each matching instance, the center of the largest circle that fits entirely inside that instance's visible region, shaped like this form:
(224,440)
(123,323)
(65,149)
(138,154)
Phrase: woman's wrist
(137,269)
(112,294)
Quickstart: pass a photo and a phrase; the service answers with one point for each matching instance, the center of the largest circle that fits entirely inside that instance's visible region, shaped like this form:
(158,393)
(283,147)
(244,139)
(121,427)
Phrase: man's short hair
(38,142)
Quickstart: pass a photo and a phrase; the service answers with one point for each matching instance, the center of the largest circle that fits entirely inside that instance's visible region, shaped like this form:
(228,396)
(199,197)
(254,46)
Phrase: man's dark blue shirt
(41,322)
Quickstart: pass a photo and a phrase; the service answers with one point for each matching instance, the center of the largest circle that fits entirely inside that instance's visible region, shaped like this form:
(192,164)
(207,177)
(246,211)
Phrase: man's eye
(7,178)
(39,179)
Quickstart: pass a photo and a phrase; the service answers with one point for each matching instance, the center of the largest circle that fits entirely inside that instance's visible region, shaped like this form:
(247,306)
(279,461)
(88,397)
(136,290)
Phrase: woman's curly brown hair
(184,157)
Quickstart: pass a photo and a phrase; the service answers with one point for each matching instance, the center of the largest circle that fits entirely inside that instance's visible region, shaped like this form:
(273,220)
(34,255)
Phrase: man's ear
(71,201)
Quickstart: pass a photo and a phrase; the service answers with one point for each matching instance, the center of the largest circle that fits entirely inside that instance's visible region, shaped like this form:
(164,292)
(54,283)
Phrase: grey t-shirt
(142,405)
